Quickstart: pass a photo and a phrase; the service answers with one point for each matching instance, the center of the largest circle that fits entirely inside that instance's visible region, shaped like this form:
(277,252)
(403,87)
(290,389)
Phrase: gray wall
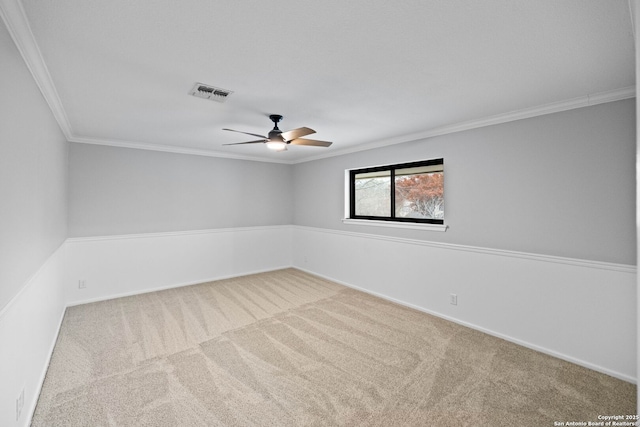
(33,174)
(126,191)
(561,184)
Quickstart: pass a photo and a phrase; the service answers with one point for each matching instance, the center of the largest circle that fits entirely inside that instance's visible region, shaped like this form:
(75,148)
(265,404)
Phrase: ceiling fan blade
(247,133)
(296,133)
(248,142)
(311,142)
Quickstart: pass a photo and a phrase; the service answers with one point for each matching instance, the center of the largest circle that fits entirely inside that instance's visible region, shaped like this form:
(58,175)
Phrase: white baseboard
(177,285)
(526,344)
(43,375)
(115,266)
(576,310)
(29,327)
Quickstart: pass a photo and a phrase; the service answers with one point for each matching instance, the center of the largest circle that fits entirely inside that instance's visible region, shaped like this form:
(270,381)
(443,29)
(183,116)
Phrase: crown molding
(526,113)
(15,19)
(17,24)
(554,107)
(171,149)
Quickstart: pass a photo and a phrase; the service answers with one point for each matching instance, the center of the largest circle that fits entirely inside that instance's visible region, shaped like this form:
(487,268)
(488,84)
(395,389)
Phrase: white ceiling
(362,73)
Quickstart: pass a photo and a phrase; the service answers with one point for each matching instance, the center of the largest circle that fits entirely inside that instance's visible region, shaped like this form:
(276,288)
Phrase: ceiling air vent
(213,93)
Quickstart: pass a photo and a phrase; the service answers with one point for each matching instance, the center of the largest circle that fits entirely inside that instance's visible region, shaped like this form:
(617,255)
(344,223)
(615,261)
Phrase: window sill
(391,224)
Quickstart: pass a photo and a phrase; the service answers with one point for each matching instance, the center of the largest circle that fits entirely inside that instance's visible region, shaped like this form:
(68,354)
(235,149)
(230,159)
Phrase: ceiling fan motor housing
(275,135)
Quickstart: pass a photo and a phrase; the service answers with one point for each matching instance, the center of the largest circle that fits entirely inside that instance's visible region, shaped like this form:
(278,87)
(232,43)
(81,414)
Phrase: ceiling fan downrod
(275,118)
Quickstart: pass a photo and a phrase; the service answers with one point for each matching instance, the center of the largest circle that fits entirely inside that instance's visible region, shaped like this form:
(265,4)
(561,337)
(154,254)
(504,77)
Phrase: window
(407,192)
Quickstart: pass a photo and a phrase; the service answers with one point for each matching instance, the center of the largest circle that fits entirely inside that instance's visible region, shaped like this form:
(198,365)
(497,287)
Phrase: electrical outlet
(305,259)
(453,299)
(82,284)
(19,404)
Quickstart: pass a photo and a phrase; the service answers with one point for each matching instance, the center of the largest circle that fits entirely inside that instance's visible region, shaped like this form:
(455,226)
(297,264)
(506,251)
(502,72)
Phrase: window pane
(373,194)
(420,192)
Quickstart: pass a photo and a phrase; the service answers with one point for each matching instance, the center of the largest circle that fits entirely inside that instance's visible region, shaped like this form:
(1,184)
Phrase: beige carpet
(289,349)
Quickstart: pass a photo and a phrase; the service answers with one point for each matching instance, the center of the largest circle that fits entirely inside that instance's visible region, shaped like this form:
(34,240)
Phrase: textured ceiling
(358,72)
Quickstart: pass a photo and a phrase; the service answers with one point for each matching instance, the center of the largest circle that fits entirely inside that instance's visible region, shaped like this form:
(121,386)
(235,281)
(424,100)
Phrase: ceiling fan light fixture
(276,145)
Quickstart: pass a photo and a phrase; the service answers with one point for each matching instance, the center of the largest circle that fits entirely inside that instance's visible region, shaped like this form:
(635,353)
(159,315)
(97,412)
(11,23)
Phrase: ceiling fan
(278,140)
